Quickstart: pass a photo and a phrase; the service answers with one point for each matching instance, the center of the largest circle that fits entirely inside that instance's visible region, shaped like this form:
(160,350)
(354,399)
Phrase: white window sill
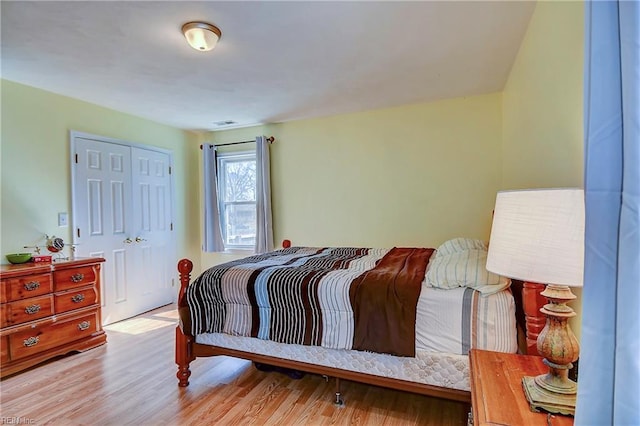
(239,251)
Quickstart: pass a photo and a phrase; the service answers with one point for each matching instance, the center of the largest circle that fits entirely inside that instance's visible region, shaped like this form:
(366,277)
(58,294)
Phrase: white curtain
(264,234)
(609,379)
(212,238)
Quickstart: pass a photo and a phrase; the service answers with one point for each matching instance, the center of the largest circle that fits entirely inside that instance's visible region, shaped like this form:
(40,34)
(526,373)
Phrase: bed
(402,318)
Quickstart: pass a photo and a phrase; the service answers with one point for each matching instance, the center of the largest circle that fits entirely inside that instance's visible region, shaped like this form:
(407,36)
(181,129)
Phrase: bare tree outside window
(237,184)
(240,181)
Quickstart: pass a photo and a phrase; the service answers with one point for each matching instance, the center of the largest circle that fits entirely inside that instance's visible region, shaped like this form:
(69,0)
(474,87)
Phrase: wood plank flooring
(131,381)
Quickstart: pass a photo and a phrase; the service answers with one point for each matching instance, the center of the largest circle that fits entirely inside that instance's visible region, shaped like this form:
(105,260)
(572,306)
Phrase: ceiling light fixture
(201,36)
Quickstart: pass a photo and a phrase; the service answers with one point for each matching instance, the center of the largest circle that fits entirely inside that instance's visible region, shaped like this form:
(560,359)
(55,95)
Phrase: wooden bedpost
(532,301)
(184,342)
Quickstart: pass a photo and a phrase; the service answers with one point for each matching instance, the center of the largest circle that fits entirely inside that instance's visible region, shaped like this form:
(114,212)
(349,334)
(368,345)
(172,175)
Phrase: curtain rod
(270,139)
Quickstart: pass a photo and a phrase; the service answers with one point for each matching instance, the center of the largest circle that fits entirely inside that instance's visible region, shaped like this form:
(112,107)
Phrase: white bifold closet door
(122,211)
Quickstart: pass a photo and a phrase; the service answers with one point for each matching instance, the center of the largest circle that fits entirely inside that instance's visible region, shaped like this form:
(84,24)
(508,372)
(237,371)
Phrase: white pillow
(464,269)
(460,244)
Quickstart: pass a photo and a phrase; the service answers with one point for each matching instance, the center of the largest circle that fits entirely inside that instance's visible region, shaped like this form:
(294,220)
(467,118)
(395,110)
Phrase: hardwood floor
(131,381)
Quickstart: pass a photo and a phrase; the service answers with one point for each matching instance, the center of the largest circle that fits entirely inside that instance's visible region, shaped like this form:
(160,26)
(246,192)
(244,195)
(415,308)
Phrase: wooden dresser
(48,309)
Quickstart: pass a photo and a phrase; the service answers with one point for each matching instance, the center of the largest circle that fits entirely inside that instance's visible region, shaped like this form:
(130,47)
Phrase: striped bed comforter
(338,298)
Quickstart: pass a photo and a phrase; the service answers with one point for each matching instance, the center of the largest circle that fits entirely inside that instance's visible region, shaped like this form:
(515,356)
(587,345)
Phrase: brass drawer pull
(32,285)
(77,298)
(32,309)
(84,325)
(31,341)
(76,278)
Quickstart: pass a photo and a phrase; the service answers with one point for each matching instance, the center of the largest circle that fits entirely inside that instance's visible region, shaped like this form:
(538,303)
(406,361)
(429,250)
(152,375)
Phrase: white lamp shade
(201,36)
(538,236)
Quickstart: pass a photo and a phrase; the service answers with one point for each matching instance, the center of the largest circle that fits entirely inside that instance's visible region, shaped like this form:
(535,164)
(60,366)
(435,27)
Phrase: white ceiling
(276,61)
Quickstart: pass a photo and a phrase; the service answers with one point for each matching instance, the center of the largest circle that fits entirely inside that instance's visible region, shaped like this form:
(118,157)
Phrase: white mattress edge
(445,370)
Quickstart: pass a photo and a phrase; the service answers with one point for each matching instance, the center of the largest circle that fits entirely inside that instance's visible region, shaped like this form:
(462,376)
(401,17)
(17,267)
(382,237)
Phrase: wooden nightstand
(497,397)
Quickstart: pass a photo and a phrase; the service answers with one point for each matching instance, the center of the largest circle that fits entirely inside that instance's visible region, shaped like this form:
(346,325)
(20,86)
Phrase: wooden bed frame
(528,304)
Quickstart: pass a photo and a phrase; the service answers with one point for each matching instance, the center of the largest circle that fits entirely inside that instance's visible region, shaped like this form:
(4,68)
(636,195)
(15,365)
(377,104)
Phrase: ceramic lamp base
(540,398)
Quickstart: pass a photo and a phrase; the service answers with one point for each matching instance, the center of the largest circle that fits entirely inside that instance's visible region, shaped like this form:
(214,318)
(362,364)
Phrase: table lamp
(538,236)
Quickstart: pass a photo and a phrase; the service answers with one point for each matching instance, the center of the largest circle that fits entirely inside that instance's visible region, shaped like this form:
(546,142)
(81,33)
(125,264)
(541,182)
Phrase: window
(237,198)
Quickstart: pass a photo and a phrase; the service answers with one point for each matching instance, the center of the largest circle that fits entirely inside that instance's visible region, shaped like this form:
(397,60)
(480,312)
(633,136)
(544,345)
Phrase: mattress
(449,323)
(438,369)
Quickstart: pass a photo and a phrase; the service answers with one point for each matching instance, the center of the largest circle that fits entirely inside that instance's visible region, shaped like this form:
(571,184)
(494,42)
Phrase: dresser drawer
(26,310)
(76,298)
(38,339)
(27,286)
(4,349)
(67,279)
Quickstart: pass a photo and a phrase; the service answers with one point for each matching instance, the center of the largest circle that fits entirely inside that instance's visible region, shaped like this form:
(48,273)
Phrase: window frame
(221,159)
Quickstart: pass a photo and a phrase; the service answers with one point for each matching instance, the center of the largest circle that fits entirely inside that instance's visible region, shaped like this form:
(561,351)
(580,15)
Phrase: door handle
(128,240)
(138,239)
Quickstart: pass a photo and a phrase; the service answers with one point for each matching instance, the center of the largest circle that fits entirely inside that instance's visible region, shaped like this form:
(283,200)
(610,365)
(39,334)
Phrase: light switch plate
(63,219)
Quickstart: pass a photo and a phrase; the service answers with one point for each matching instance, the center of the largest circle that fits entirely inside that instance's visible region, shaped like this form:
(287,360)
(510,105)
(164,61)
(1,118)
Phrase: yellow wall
(542,102)
(414,175)
(543,106)
(36,167)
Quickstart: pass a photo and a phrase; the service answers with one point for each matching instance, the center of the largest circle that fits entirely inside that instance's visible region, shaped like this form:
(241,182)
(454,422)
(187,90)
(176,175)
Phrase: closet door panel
(152,195)
(102,209)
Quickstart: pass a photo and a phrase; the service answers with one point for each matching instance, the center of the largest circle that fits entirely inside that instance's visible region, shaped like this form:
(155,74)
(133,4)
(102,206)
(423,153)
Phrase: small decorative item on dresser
(54,244)
(41,258)
(17,258)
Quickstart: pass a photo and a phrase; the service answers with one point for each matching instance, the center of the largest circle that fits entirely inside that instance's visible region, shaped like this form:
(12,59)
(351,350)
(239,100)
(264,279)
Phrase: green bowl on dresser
(19,257)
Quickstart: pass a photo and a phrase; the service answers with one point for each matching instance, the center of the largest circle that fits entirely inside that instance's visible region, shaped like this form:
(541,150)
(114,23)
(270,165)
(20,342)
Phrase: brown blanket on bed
(390,290)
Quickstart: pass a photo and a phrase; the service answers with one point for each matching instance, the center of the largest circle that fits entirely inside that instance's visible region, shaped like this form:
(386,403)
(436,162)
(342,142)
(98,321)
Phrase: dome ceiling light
(201,36)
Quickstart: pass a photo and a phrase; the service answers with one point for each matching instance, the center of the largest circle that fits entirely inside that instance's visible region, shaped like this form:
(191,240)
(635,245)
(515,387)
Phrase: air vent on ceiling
(224,123)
